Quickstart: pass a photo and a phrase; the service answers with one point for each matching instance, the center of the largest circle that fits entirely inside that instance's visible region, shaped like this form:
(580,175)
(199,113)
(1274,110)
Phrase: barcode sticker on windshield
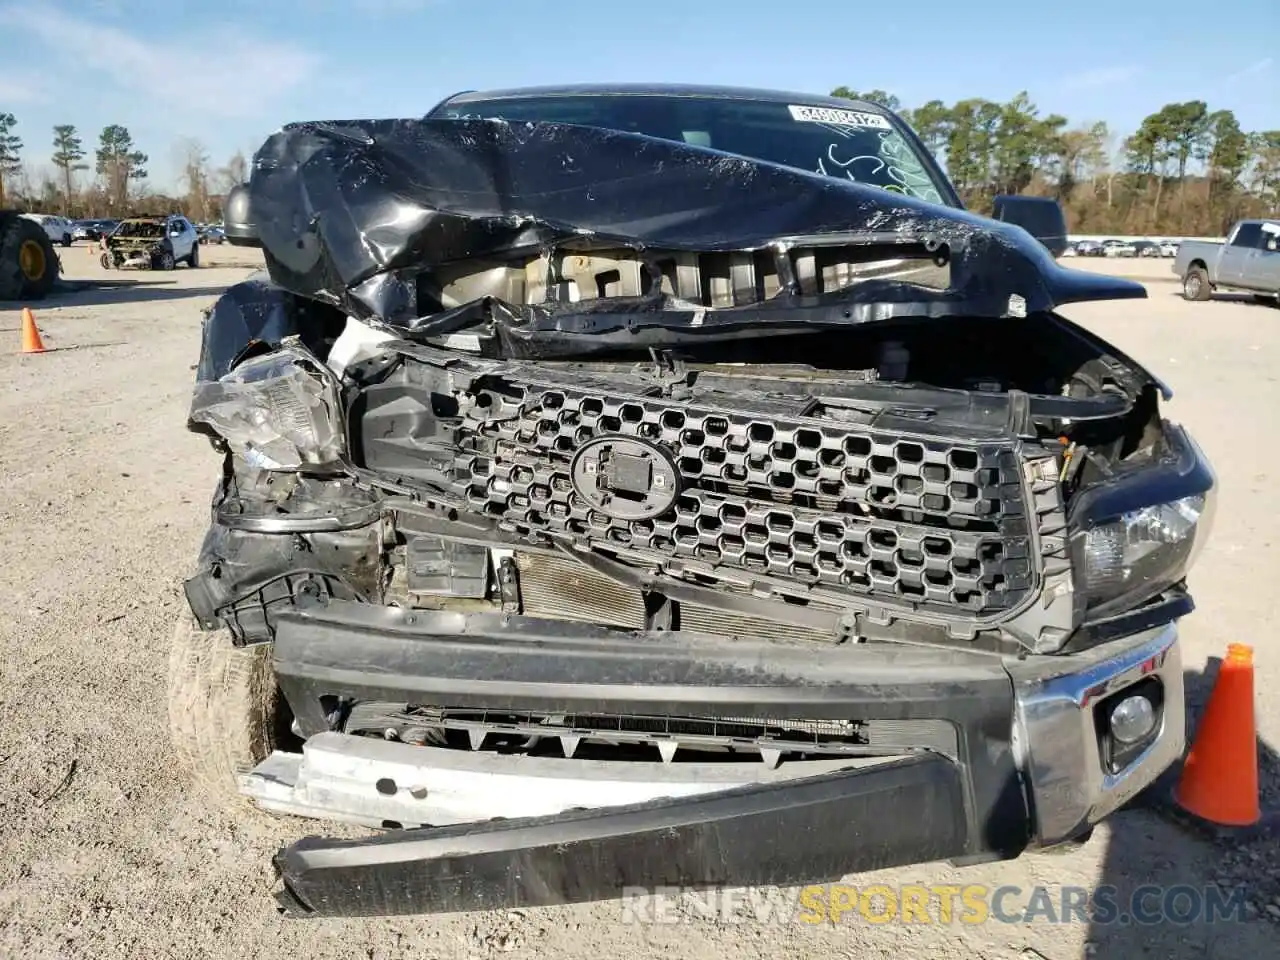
(846,118)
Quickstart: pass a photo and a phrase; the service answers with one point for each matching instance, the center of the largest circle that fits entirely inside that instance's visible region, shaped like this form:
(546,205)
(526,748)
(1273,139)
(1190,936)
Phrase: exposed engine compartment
(905,481)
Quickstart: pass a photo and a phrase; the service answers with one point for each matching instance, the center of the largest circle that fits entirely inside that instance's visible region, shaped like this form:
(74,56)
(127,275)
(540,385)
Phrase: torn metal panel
(254,316)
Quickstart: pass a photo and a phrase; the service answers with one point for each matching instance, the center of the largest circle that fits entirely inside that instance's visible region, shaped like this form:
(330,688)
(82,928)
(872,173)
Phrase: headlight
(277,411)
(1142,552)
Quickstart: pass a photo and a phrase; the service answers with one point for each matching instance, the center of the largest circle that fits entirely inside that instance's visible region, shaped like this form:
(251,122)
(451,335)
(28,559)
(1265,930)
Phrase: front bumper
(976,758)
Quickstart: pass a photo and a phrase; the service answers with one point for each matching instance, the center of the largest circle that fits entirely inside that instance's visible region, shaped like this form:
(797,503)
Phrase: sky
(230,72)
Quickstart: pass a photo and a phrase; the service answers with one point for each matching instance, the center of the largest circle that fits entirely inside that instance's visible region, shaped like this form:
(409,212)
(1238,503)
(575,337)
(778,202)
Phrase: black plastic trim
(1181,471)
(805,831)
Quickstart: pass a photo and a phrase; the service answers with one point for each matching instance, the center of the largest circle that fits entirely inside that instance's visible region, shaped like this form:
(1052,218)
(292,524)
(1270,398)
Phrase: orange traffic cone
(1220,777)
(31,342)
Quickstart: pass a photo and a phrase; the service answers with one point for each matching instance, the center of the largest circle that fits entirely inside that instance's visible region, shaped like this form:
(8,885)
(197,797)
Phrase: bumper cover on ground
(810,830)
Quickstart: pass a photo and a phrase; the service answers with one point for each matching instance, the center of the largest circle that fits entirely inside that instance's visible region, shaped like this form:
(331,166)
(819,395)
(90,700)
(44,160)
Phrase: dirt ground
(104,500)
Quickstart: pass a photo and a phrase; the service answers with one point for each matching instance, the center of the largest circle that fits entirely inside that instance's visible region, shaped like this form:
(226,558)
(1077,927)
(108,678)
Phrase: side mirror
(237,218)
(1042,217)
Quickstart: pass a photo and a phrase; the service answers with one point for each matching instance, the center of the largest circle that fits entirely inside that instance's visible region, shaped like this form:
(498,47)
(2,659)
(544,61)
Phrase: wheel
(224,707)
(193,261)
(28,264)
(1267,299)
(105,260)
(165,260)
(66,239)
(1195,285)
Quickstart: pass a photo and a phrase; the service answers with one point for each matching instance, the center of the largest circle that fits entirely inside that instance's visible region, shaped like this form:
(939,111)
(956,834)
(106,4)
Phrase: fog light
(1132,719)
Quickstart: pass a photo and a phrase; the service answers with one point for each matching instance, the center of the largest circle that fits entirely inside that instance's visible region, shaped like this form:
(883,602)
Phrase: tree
(970,146)
(10,152)
(871,96)
(1228,150)
(932,123)
(1022,142)
(234,173)
(119,163)
(1265,176)
(68,151)
(1148,152)
(195,167)
(1081,154)
(1187,131)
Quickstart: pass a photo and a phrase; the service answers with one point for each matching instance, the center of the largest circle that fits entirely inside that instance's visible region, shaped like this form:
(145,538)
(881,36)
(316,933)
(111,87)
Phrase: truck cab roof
(657,90)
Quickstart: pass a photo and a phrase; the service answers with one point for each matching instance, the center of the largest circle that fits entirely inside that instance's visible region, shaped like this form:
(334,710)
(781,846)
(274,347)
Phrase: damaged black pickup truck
(636,486)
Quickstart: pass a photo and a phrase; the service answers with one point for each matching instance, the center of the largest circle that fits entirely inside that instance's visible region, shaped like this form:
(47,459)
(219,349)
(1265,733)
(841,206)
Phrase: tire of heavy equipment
(1195,285)
(223,707)
(28,263)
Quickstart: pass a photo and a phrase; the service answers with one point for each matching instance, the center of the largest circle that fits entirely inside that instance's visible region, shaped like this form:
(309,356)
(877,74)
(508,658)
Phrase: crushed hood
(352,213)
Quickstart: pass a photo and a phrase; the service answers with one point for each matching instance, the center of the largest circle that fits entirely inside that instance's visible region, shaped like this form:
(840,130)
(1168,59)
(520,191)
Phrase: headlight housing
(1128,549)
(1143,551)
(279,411)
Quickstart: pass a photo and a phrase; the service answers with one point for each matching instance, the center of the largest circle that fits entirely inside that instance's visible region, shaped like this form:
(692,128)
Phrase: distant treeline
(1186,170)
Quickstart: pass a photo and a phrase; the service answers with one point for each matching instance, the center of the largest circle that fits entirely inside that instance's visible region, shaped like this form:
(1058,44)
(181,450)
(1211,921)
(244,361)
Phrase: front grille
(820,508)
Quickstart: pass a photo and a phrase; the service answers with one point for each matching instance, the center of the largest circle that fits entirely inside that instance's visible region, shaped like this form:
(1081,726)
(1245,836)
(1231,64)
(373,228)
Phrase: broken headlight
(1142,552)
(278,411)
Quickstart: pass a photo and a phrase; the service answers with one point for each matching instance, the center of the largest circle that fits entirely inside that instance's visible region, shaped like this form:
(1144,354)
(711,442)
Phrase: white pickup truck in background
(1248,260)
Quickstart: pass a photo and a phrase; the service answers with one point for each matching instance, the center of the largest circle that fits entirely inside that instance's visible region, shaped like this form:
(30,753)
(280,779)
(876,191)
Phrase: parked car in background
(1249,260)
(1119,248)
(59,229)
(1146,248)
(1169,248)
(1089,248)
(93,229)
(158,243)
(211,233)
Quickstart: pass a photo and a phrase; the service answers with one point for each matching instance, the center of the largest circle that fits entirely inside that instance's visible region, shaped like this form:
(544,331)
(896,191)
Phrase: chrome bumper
(1056,738)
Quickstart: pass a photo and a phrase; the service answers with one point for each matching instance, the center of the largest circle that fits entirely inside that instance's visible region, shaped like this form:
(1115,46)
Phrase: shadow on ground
(1155,864)
(89,293)
(1261,301)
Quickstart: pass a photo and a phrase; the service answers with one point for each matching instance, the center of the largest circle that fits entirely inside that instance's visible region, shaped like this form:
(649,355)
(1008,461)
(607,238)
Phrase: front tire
(67,239)
(193,261)
(1196,286)
(224,707)
(165,260)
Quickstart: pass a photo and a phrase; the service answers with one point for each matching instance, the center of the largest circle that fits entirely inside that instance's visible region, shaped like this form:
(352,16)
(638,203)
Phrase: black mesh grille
(811,503)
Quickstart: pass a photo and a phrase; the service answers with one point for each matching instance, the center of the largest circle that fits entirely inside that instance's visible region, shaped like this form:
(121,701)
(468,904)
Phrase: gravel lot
(104,500)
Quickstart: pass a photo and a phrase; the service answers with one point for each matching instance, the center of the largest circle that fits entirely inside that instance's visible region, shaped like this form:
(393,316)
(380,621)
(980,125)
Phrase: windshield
(858,145)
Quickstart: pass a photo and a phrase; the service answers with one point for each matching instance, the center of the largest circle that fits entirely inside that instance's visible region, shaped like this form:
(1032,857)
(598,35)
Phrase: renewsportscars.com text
(960,904)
